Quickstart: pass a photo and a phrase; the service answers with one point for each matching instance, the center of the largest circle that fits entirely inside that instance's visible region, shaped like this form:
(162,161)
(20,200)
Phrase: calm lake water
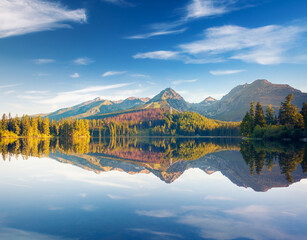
(160,188)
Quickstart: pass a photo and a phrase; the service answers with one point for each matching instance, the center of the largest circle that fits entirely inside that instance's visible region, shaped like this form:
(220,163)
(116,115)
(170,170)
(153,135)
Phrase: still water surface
(160,188)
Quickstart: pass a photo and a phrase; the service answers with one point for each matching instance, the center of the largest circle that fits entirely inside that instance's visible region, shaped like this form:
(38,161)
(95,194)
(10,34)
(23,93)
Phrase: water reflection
(258,165)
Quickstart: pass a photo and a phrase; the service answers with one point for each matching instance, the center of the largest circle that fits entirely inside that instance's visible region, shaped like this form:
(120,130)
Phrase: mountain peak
(97,99)
(171,98)
(168,93)
(208,100)
(261,81)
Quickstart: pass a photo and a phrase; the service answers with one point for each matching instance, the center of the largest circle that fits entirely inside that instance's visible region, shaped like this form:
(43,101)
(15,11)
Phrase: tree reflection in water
(162,153)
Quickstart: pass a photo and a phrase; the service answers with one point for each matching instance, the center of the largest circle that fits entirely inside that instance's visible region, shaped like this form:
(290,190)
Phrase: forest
(150,122)
(289,124)
(155,122)
(39,127)
(260,155)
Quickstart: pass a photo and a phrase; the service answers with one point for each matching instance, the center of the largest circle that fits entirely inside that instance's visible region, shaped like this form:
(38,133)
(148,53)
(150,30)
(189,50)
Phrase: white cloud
(43,60)
(156,213)
(157,33)
(113,73)
(19,17)
(75,75)
(14,233)
(80,94)
(9,92)
(207,8)
(219,198)
(251,211)
(116,197)
(177,82)
(262,45)
(225,72)
(162,55)
(193,10)
(84,195)
(178,56)
(88,208)
(83,61)
(36,92)
(9,85)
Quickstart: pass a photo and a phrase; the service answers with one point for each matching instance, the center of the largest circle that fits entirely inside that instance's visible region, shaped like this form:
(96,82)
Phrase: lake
(152,188)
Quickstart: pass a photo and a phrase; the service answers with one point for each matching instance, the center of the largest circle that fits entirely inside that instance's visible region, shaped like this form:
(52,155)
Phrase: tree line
(37,126)
(260,155)
(153,122)
(162,124)
(290,123)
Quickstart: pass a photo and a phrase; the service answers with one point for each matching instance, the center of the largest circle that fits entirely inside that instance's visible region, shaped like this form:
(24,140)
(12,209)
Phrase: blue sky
(55,54)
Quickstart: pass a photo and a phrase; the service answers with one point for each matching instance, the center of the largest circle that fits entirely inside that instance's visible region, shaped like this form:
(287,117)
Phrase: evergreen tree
(259,116)
(252,116)
(288,114)
(304,114)
(269,116)
(46,126)
(245,128)
(4,122)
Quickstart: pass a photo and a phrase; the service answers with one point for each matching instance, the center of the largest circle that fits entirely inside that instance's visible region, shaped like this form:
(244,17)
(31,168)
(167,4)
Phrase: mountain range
(229,163)
(230,107)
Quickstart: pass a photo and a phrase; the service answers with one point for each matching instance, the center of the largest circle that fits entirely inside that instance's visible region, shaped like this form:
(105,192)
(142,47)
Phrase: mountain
(166,99)
(229,163)
(96,107)
(233,106)
(209,100)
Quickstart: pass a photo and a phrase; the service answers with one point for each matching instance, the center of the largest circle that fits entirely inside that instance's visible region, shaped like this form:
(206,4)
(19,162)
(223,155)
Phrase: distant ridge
(231,107)
(96,107)
(234,105)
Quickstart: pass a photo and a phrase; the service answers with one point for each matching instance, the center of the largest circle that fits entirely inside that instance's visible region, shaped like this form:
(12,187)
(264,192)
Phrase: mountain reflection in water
(258,165)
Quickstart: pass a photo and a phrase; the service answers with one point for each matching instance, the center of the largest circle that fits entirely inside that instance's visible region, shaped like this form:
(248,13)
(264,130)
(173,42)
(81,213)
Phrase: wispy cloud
(262,45)
(121,3)
(177,82)
(139,75)
(265,45)
(36,92)
(43,60)
(251,211)
(113,73)
(116,197)
(157,33)
(157,233)
(219,198)
(74,75)
(82,61)
(19,17)
(157,213)
(81,94)
(208,8)
(88,208)
(225,72)
(162,55)
(178,56)
(193,10)
(9,86)
(14,233)
(9,92)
